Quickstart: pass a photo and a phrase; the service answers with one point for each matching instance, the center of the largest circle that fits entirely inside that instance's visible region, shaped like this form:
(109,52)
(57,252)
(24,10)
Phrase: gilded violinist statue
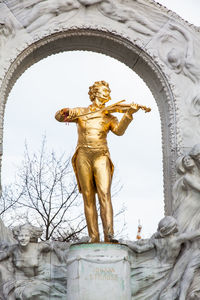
(91,161)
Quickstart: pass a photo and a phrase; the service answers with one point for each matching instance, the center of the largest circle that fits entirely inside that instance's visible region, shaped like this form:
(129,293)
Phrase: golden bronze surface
(91,161)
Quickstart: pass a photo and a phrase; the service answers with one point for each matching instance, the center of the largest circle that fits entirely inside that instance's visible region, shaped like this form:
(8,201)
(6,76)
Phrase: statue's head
(188,162)
(184,164)
(27,233)
(168,225)
(173,56)
(195,153)
(100,92)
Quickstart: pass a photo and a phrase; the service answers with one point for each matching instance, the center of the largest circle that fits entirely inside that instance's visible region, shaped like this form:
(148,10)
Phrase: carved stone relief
(177,51)
(162,268)
(7,26)
(166,266)
(185,277)
(31,270)
(129,16)
(191,115)
(35,14)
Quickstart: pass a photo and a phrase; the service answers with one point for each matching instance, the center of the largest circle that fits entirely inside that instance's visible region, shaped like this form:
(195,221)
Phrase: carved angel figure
(44,11)
(179,59)
(186,196)
(151,275)
(30,277)
(39,12)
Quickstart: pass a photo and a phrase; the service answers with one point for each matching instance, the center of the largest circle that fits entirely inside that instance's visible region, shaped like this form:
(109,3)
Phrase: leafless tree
(8,200)
(46,194)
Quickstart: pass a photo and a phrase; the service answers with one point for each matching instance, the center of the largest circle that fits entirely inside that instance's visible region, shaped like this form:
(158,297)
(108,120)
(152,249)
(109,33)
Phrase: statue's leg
(85,176)
(103,178)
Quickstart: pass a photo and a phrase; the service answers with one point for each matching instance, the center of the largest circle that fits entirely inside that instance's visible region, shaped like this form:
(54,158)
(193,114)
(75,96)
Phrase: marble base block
(98,272)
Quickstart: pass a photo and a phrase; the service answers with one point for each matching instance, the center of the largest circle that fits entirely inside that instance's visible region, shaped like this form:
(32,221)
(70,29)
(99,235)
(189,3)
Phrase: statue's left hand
(133,108)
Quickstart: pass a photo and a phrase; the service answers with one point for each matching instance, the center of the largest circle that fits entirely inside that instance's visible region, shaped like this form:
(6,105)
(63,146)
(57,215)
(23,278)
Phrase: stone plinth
(98,271)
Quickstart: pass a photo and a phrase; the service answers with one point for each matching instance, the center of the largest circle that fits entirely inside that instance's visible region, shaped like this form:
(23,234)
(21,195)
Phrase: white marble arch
(153,41)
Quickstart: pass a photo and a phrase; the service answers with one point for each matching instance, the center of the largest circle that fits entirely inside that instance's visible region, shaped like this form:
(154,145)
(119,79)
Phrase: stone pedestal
(98,272)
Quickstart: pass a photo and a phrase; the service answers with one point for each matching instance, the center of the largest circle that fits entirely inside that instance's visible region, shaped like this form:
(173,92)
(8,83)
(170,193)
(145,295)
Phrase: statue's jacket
(93,129)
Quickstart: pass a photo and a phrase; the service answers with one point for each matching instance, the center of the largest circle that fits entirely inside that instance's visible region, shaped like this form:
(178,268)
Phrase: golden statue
(91,161)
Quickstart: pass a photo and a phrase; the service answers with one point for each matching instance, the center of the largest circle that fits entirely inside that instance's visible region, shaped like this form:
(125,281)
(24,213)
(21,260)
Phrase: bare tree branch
(45,193)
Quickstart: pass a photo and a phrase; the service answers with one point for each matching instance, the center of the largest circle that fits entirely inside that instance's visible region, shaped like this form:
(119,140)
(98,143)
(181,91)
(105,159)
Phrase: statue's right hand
(62,114)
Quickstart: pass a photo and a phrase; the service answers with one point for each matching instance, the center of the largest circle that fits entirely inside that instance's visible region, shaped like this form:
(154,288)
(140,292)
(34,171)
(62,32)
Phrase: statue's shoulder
(80,110)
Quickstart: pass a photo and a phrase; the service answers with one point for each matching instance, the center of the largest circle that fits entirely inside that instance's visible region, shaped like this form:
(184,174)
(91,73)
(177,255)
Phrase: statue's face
(24,237)
(102,95)
(188,162)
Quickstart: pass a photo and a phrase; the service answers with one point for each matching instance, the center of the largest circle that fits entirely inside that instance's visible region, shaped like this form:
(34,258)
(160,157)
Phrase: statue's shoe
(111,239)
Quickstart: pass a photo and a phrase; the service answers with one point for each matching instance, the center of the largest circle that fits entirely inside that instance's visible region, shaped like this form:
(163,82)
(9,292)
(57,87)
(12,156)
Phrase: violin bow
(99,110)
(107,108)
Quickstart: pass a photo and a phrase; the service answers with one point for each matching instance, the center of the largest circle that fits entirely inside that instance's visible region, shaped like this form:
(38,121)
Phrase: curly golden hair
(94,88)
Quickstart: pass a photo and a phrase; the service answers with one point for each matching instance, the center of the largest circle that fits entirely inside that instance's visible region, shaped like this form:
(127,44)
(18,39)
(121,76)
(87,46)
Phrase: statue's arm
(54,247)
(62,115)
(68,114)
(139,248)
(189,236)
(119,128)
(45,246)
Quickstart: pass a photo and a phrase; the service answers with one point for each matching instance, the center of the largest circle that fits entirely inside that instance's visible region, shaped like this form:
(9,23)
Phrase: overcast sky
(62,81)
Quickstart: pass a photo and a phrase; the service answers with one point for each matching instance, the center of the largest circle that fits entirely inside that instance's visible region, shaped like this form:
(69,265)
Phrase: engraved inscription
(103,274)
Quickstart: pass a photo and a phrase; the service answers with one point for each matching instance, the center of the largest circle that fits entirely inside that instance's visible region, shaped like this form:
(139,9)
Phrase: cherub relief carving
(180,59)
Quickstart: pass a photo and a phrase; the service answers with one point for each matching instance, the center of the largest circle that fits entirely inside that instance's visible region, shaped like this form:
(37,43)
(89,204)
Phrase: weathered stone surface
(98,271)
(31,270)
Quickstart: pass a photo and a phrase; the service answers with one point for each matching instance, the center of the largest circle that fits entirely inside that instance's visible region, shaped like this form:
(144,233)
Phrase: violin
(122,108)
(63,114)
(117,107)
